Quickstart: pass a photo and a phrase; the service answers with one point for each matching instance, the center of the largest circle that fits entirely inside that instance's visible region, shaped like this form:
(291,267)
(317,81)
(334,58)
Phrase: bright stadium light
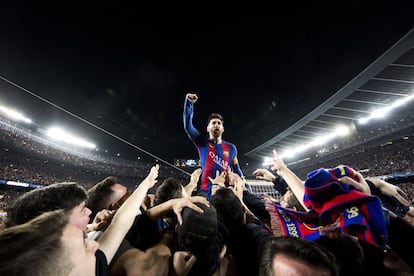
(342,130)
(59,134)
(267,161)
(288,153)
(319,141)
(363,121)
(14,115)
(382,112)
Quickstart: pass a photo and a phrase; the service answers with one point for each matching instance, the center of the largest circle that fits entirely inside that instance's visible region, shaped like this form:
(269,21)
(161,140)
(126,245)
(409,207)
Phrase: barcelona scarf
(357,213)
(287,222)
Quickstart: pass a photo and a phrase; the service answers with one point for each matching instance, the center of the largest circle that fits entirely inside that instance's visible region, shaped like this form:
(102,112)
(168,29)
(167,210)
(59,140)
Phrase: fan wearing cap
(199,234)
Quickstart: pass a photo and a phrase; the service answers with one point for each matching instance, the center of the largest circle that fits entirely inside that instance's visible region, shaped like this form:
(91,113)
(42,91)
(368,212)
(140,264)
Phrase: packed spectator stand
(29,158)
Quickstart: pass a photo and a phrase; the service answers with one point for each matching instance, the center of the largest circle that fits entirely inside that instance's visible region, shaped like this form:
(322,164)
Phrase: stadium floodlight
(288,153)
(267,161)
(382,112)
(59,134)
(14,115)
(363,121)
(319,141)
(342,130)
(322,139)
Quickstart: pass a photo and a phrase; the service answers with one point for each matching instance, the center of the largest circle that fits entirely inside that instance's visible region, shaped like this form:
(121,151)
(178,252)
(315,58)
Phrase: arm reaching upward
(124,217)
(188,113)
(177,205)
(392,190)
(195,176)
(263,174)
(295,183)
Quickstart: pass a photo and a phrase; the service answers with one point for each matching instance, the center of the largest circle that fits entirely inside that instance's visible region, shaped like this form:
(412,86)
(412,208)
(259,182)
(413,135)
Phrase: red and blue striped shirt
(213,156)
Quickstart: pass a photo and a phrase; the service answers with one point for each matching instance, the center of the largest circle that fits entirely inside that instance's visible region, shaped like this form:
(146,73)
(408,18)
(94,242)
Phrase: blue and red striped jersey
(213,156)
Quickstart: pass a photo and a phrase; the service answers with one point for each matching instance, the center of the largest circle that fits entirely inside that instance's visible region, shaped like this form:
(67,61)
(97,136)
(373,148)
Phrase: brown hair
(35,247)
(100,194)
(215,116)
(301,250)
(53,197)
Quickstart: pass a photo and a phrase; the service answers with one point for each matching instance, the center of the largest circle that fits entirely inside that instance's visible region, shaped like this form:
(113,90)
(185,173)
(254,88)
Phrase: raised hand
(102,220)
(277,164)
(195,176)
(220,178)
(264,174)
(183,261)
(239,185)
(191,97)
(153,175)
(180,203)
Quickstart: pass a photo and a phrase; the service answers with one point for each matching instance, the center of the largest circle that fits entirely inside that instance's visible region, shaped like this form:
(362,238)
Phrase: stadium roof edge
(388,57)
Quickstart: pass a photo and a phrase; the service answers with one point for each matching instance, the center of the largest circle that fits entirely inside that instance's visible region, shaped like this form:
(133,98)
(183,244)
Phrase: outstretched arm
(391,190)
(188,113)
(295,183)
(361,186)
(195,176)
(177,205)
(239,185)
(279,183)
(264,174)
(124,217)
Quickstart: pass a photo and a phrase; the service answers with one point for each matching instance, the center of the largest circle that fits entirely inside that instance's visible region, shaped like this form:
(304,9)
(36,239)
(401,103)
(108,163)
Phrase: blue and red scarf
(359,214)
(287,222)
(334,207)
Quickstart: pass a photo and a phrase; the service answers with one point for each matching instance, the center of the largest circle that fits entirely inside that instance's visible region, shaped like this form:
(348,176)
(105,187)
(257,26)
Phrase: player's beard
(216,133)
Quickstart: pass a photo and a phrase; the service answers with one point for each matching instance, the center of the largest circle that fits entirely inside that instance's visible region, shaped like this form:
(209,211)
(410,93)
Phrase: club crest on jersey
(226,154)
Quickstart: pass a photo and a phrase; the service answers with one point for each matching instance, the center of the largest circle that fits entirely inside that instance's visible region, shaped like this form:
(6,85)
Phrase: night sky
(127,69)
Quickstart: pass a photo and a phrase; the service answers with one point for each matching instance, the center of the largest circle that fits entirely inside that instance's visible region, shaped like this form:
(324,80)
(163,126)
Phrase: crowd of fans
(169,224)
(28,159)
(382,160)
(23,140)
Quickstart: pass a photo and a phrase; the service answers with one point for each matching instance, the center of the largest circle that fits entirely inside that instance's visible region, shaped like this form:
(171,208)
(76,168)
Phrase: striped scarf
(287,222)
(358,214)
